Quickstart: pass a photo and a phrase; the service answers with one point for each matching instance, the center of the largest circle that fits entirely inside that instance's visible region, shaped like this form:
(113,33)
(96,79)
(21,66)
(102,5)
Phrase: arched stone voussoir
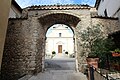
(59,17)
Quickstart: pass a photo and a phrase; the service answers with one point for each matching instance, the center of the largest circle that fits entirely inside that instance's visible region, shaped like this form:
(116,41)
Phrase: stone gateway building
(24,49)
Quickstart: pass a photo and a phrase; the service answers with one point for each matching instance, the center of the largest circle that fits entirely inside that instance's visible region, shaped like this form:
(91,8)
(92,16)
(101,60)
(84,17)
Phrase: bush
(96,44)
(66,52)
(53,52)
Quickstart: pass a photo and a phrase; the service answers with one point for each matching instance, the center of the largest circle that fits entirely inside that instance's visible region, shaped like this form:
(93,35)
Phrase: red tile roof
(59,7)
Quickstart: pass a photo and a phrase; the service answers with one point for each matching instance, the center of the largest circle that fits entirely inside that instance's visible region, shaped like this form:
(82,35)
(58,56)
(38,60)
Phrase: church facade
(60,40)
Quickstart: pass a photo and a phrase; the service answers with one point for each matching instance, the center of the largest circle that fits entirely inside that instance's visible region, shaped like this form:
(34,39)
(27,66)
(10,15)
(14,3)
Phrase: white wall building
(59,39)
(108,8)
(15,10)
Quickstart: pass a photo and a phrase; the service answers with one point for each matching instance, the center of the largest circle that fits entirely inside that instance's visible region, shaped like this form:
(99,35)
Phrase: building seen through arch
(59,38)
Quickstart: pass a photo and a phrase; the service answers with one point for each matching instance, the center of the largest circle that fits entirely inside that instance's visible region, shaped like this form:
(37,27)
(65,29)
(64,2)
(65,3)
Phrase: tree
(96,44)
(90,35)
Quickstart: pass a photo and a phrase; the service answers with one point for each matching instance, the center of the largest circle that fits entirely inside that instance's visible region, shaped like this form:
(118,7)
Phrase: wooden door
(59,48)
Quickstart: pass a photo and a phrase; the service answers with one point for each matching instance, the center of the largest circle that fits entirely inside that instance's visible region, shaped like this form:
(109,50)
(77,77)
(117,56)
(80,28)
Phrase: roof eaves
(102,17)
(97,3)
(59,7)
(17,6)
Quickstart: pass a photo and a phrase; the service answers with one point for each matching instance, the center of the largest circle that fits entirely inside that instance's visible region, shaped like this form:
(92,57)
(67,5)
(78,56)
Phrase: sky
(26,3)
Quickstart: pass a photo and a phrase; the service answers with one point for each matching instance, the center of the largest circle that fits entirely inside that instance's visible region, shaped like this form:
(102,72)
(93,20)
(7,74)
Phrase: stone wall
(14,60)
(109,25)
(24,48)
(82,25)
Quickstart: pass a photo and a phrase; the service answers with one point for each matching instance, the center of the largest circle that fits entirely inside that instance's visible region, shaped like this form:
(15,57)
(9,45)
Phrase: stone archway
(59,18)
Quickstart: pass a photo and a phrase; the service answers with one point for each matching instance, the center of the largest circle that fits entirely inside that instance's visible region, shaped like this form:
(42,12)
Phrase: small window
(105,12)
(60,34)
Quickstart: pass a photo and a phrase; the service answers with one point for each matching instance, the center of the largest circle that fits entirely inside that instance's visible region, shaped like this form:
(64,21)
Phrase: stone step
(59,75)
(62,71)
(59,55)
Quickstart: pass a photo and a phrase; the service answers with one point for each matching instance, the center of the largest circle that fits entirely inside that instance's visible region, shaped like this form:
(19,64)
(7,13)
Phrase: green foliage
(53,52)
(89,36)
(117,50)
(66,52)
(72,55)
(102,47)
(97,45)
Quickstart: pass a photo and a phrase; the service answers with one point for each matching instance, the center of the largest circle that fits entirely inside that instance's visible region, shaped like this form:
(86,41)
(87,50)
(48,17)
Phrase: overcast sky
(25,3)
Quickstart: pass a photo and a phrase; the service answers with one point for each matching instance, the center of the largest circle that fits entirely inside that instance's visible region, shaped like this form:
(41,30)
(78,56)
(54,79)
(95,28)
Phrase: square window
(60,34)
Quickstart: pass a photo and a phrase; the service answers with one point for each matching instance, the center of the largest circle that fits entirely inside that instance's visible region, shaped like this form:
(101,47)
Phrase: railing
(100,75)
(93,74)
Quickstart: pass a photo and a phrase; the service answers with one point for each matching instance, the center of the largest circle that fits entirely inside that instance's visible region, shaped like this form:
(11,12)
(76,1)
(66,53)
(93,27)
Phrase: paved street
(59,69)
(60,64)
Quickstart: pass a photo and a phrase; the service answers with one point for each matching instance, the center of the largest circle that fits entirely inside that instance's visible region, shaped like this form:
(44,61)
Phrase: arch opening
(59,36)
(60,45)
